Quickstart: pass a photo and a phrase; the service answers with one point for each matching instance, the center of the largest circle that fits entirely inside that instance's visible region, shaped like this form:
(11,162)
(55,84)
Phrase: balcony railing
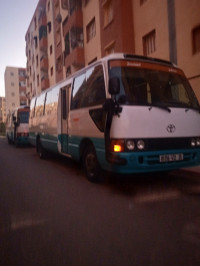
(44,63)
(43,43)
(42,20)
(76,58)
(75,20)
(44,83)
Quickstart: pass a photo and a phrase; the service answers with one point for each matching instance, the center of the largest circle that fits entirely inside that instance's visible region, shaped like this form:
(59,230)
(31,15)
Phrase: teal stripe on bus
(49,142)
(74,144)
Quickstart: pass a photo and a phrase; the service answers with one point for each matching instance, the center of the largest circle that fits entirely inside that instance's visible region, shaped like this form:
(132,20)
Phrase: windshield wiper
(193,108)
(166,108)
(180,104)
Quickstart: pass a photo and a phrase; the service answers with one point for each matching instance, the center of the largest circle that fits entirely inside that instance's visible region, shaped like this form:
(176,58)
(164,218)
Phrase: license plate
(171,157)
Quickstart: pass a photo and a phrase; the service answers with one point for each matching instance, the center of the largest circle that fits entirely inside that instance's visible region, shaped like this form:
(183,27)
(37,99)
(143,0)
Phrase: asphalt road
(51,215)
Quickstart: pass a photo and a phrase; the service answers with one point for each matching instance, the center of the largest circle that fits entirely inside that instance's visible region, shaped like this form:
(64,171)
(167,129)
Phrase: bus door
(64,118)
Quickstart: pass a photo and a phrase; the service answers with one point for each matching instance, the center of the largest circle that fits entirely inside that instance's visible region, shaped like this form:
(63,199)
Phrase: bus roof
(139,57)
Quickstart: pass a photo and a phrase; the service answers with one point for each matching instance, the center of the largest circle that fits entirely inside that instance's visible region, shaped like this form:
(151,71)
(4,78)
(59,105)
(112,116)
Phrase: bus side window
(95,87)
(32,107)
(78,91)
(51,101)
(39,110)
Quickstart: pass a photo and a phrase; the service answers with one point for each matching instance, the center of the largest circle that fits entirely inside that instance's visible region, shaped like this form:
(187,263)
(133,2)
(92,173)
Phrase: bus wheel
(91,165)
(40,149)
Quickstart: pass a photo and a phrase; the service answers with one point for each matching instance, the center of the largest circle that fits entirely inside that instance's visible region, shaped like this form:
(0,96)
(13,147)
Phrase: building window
(49,27)
(108,12)
(37,61)
(51,71)
(13,94)
(149,43)
(38,80)
(22,84)
(91,30)
(67,45)
(64,4)
(51,49)
(196,40)
(48,6)
(68,72)
(35,23)
(42,32)
(12,84)
(58,37)
(11,73)
(76,35)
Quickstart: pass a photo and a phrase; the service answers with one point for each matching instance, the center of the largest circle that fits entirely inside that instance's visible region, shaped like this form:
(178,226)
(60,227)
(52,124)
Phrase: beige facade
(92,47)
(72,34)
(187,19)
(150,16)
(2,109)
(173,22)
(15,88)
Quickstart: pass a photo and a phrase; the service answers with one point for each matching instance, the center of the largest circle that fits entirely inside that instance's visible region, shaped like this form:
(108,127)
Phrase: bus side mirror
(114,86)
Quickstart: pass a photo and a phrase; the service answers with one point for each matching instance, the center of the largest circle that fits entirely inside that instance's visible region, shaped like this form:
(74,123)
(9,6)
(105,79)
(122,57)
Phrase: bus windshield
(149,84)
(23,117)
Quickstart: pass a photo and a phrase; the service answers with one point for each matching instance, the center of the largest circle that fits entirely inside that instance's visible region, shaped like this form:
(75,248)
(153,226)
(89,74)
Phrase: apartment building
(2,109)
(15,87)
(66,35)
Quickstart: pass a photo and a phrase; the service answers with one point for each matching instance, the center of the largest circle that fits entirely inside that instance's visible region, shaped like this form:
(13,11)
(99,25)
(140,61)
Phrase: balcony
(44,83)
(44,64)
(75,20)
(43,44)
(22,78)
(42,20)
(76,58)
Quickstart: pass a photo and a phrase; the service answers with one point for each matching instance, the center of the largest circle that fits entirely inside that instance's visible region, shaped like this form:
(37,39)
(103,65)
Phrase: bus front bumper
(142,162)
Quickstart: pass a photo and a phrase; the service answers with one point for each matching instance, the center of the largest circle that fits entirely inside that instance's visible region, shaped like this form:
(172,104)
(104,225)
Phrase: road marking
(157,196)
(24,221)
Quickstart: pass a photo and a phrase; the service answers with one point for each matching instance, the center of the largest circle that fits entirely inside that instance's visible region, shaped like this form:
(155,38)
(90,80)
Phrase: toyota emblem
(171,128)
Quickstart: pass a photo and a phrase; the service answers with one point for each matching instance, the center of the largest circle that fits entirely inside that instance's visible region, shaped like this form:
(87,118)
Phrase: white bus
(124,113)
(17,126)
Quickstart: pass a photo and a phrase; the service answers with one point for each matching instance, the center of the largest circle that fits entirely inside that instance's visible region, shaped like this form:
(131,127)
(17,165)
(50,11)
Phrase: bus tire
(40,149)
(90,164)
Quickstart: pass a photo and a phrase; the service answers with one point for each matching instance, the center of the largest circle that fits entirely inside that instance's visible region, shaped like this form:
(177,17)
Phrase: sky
(15,18)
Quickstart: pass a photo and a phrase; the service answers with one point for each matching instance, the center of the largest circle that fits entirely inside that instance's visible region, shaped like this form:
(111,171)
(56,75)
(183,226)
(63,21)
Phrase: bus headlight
(130,145)
(193,143)
(198,142)
(140,145)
